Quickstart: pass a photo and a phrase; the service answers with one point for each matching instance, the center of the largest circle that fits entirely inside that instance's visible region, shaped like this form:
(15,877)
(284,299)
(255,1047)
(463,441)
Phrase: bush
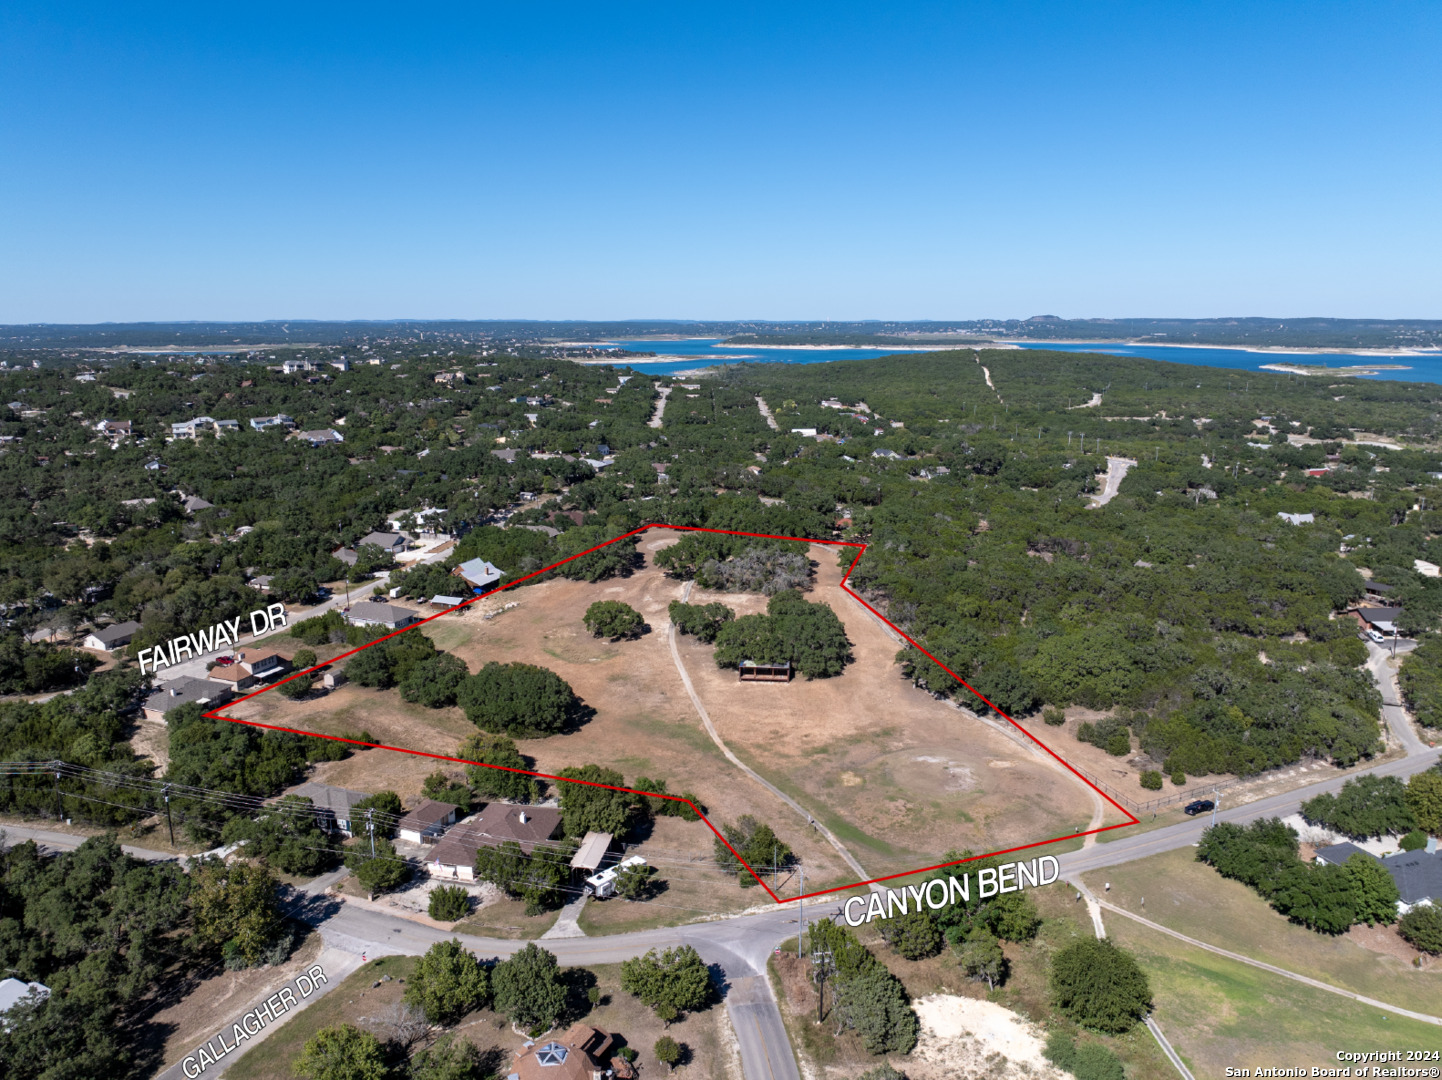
(668,1051)
(448,982)
(1119,745)
(1415,840)
(343,1052)
(1090,1062)
(613,619)
(1151,780)
(1422,928)
(668,807)
(517,699)
(449,903)
(1053,716)
(1179,778)
(1099,986)
(320,629)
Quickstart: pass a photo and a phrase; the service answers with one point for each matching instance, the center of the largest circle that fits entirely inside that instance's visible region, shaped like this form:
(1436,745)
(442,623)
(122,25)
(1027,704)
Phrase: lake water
(710,352)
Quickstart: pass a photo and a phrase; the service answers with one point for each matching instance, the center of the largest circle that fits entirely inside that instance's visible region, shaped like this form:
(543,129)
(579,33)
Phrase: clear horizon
(1002,161)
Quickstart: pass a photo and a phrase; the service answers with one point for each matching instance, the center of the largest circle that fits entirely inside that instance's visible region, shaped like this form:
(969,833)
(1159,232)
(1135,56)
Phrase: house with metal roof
(480,575)
(370,613)
(111,637)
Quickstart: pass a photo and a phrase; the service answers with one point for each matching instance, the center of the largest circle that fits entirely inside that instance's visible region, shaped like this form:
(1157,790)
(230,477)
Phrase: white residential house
(112,637)
(370,613)
(262,423)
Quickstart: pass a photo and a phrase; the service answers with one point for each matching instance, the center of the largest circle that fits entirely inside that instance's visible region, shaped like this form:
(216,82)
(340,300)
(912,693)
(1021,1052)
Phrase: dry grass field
(898,776)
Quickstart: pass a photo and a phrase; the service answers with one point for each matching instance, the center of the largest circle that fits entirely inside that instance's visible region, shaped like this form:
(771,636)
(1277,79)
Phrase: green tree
(613,619)
(756,843)
(435,681)
(874,1005)
(914,935)
(528,988)
(702,620)
(448,903)
(379,872)
(1374,893)
(1422,928)
(286,835)
(636,882)
(517,699)
(677,978)
(448,983)
(1151,780)
(982,958)
(451,1058)
(1099,986)
(1010,916)
(1319,897)
(1366,806)
(884,1071)
(591,806)
(386,811)
(619,558)
(235,906)
(342,1052)
(496,756)
(1424,800)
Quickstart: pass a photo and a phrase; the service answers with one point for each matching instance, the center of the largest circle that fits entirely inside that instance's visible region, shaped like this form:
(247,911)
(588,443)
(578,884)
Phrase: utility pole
(58,816)
(821,968)
(1216,800)
(371,828)
(801,922)
(169,824)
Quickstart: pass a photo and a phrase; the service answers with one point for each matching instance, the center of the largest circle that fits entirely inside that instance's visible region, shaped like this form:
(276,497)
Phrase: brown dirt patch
(1384,940)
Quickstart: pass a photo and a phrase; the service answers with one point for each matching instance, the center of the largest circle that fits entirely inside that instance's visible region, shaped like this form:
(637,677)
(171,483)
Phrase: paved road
(1117,469)
(665,392)
(1184,834)
(1386,679)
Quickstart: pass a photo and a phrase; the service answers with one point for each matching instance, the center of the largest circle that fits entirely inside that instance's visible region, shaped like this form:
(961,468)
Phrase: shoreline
(1354,370)
(1272,350)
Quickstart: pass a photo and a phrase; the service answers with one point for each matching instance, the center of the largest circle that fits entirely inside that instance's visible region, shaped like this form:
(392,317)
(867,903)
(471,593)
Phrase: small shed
(751,671)
(444,602)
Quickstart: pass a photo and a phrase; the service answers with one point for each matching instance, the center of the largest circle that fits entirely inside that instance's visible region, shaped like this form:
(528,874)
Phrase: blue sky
(832,160)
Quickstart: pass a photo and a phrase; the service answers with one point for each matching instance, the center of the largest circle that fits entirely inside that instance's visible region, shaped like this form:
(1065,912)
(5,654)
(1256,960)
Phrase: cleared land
(899,776)
(1192,898)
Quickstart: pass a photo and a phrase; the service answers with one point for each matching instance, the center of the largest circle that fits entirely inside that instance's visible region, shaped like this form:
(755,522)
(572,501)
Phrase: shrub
(613,619)
(320,629)
(1422,928)
(668,1051)
(343,1052)
(756,843)
(1151,780)
(1415,840)
(1053,716)
(449,903)
(1179,778)
(517,699)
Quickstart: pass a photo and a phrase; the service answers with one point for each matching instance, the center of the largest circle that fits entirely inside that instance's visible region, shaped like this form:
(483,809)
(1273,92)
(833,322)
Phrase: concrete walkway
(567,924)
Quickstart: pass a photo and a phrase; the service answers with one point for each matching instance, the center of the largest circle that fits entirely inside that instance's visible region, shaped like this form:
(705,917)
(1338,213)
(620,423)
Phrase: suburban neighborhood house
(184,691)
(391,543)
(370,613)
(455,855)
(579,1054)
(336,803)
(480,575)
(425,823)
(111,637)
(1417,874)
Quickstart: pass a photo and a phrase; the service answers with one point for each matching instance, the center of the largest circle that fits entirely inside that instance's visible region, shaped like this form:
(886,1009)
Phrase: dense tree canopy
(517,699)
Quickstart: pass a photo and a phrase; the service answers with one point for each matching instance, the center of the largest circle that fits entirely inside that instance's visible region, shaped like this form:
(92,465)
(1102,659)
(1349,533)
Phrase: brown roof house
(579,1054)
(426,821)
(455,856)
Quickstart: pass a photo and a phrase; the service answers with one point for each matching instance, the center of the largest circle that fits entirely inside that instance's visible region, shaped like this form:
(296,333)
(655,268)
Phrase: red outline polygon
(1131,820)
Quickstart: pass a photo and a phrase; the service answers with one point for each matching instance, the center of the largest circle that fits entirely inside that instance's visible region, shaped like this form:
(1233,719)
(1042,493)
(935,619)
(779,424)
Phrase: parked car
(1377,636)
(1201,806)
(224,661)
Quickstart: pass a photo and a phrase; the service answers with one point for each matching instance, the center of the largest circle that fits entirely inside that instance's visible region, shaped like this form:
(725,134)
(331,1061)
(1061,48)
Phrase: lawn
(1192,898)
(1218,1012)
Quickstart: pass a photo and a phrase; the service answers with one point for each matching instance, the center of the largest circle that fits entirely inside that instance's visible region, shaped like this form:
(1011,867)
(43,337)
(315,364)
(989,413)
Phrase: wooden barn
(751,671)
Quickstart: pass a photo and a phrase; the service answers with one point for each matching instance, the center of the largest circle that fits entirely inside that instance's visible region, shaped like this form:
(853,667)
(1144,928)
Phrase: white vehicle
(1377,636)
(603,884)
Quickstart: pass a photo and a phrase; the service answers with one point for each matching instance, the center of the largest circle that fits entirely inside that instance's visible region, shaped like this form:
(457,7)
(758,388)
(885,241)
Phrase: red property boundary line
(1131,819)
